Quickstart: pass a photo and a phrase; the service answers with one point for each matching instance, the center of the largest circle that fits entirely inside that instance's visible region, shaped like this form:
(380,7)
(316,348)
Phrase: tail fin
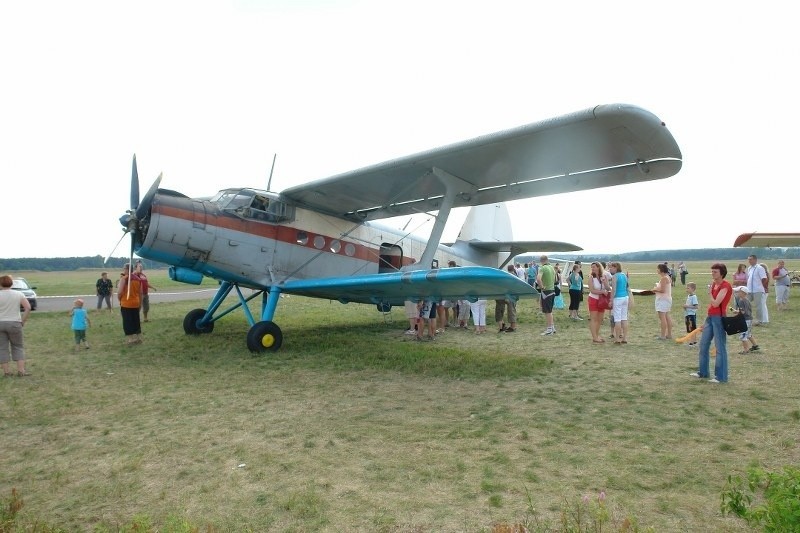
(487,223)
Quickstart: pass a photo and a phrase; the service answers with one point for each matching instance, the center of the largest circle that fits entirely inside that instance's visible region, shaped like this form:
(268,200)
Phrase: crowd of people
(132,292)
(133,296)
(609,290)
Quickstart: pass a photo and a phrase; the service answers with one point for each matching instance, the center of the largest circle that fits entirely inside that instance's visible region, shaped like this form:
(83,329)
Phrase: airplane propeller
(134,218)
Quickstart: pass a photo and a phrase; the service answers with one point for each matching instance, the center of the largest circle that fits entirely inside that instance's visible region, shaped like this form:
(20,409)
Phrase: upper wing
(767,240)
(598,147)
(468,283)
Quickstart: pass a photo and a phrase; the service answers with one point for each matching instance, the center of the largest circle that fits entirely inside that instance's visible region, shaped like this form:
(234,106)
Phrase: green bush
(765,499)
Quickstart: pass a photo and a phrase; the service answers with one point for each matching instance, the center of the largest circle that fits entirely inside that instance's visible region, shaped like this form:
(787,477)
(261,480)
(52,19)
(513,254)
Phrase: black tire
(190,323)
(264,337)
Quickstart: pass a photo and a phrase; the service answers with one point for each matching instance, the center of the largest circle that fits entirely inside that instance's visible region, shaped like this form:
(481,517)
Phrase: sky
(207,92)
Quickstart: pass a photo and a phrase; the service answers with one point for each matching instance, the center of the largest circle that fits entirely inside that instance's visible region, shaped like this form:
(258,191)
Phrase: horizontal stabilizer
(521,247)
(394,288)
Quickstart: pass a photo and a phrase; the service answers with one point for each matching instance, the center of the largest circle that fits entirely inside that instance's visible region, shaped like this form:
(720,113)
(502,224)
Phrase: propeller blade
(144,208)
(105,260)
(134,186)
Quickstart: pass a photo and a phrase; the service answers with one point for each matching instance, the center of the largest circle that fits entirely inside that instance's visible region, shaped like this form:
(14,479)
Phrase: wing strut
(515,251)
(452,185)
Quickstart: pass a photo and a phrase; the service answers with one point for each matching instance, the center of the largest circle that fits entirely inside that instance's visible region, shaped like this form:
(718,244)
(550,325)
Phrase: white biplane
(319,239)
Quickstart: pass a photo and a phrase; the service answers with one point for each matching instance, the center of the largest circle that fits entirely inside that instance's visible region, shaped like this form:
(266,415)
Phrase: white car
(20,284)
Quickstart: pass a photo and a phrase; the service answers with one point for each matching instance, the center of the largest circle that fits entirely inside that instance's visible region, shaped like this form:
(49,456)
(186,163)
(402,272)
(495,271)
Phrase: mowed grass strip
(353,426)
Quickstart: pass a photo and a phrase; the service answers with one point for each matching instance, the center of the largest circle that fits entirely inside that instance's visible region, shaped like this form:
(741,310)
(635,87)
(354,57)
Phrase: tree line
(61,264)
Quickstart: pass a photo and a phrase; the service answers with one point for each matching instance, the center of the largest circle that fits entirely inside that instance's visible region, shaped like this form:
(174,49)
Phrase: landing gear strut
(264,336)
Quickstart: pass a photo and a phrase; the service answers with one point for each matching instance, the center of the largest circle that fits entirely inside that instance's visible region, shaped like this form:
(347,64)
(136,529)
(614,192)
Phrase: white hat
(742,288)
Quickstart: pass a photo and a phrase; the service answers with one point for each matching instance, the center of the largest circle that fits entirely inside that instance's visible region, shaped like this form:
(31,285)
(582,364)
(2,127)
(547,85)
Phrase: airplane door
(200,241)
(200,238)
(391,258)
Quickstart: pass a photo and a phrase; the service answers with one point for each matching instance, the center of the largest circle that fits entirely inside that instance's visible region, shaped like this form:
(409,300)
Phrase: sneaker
(23,374)
(511,330)
(693,343)
(411,332)
(548,331)
(713,380)
(754,348)
(695,375)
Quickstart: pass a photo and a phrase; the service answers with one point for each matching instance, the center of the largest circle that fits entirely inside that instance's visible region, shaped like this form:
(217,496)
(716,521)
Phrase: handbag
(603,301)
(734,324)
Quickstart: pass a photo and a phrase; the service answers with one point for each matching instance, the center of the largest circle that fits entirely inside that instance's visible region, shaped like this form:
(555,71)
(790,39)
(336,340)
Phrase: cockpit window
(256,205)
(233,199)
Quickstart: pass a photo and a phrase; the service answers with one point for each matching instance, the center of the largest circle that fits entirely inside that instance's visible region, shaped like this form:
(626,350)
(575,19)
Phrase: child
(743,306)
(80,321)
(427,316)
(690,309)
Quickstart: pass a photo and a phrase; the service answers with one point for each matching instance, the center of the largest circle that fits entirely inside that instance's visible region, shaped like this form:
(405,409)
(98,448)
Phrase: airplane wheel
(264,337)
(190,323)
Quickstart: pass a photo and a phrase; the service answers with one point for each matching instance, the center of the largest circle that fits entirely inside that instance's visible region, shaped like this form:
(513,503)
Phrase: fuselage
(257,240)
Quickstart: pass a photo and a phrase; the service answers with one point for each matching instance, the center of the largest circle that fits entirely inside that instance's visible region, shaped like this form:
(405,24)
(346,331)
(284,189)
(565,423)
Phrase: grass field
(351,426)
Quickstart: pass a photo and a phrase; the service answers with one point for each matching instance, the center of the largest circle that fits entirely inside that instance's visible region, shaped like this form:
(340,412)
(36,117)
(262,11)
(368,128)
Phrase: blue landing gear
(191,323)
(264,337)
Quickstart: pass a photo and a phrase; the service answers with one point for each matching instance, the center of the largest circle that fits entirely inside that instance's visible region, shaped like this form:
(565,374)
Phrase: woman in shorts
(597,287)
(622,300)
(663,290)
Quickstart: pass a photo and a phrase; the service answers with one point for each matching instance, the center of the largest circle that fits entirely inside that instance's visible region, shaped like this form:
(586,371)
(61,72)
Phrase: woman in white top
(11,322)
(663,290)
(598,285)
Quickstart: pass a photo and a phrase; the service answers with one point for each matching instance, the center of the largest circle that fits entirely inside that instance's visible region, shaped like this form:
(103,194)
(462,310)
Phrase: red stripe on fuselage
(285,234)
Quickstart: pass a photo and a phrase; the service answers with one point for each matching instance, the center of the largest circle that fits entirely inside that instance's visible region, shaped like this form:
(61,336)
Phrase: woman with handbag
(598,301)
(720,292)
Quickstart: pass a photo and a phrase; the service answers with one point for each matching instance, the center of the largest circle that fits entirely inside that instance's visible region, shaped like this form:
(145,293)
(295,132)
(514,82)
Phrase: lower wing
(460,283)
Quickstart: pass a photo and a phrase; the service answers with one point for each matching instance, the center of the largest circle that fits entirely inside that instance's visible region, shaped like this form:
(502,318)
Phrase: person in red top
(720,292)
(129,292)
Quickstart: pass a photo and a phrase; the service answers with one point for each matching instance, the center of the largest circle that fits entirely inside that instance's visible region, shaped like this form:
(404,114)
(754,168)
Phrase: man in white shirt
(758,285)
(520,272)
